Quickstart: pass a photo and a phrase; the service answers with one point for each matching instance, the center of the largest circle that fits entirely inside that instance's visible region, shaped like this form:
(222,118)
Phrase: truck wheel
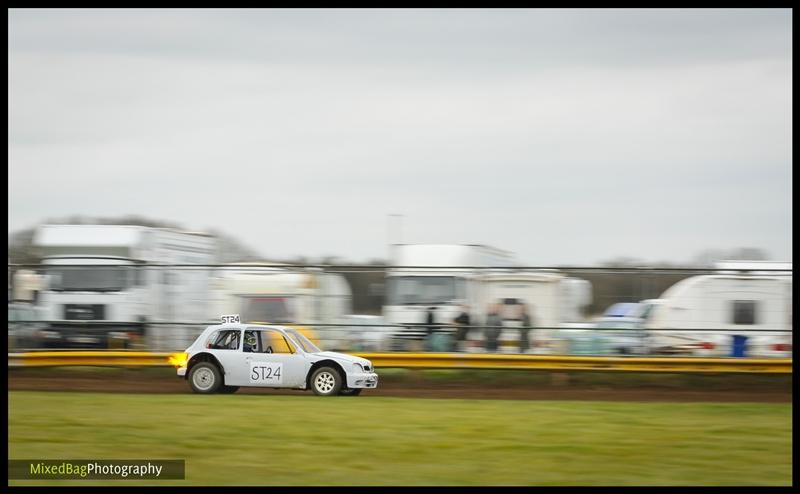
(205,377)
(350,392)
(326,381)
(228,390)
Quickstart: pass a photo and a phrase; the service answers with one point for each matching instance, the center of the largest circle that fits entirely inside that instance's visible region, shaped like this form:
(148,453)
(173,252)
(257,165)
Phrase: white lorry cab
(104,285)
(233,354)
(440,276)
(277,295)
(705,314)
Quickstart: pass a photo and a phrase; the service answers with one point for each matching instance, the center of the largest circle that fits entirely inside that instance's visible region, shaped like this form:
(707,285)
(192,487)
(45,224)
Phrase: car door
(271,362)
(226,346)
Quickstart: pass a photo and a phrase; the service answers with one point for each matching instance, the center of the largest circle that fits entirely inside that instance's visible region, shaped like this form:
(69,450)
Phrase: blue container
(440,342)
(739,346)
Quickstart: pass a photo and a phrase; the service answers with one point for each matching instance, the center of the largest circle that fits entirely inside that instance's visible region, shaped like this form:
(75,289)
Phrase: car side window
(227,339)
(266,341)
(252,342)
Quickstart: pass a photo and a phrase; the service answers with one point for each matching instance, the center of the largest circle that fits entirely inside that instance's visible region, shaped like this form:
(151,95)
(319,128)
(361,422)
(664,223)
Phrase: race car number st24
(266,373)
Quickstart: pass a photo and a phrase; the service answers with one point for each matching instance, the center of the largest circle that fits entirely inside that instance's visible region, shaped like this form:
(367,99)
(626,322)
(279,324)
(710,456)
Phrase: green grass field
(307,440)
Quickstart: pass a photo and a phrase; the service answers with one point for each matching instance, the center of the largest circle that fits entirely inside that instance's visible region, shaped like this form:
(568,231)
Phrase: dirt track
(133,383)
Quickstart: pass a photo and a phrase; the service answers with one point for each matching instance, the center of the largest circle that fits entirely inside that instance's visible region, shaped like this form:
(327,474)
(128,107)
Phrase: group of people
(492,326)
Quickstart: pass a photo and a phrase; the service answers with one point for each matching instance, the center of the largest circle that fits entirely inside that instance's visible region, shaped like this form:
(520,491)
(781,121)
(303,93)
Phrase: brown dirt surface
(136,381)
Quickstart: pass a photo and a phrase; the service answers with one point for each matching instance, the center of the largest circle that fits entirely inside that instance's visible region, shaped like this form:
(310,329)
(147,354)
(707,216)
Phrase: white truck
(104,284)
(277,295)
(702,314)
(446,277)
(439,276)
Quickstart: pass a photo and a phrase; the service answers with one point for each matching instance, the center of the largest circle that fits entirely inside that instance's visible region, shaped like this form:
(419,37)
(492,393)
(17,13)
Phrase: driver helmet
(250,340)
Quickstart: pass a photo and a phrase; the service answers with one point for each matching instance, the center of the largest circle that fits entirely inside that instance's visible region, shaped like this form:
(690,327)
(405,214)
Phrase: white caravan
(275,295)
(552,299)
(440,276)
(712,309)
(27,286)
(104,285)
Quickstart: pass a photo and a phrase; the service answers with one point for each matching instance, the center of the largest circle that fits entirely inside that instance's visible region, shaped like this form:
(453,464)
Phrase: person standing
(462,328)
(525,330)
(492,330)
(430,328)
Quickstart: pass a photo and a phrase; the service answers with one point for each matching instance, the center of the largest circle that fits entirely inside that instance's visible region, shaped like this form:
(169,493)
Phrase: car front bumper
(181,371)
(368,380)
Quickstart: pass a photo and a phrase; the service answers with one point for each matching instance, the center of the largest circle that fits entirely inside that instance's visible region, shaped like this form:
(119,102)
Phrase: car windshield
(302,341)
(625,309)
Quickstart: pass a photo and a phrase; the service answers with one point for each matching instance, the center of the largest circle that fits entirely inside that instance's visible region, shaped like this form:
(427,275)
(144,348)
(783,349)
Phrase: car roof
(241,326)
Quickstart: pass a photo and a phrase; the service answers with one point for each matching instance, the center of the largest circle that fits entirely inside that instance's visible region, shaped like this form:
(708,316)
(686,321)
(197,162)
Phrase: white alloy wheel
(205,377)
(326,381)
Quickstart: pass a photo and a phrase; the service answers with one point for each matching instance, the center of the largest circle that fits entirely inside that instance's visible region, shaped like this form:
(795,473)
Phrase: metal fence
(178,301)
(588,341)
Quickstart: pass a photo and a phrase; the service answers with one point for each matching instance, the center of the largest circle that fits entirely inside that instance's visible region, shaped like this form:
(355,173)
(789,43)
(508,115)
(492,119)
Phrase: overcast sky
(566,136)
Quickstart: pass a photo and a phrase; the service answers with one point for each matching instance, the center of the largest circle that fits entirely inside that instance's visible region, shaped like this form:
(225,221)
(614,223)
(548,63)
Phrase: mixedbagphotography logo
(96,469)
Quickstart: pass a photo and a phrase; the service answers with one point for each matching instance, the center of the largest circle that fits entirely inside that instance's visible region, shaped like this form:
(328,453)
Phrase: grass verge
(307,440)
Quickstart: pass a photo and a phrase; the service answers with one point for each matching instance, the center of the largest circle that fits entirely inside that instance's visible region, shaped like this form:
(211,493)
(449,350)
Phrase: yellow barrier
(563,362)
(444,361)
(88,358)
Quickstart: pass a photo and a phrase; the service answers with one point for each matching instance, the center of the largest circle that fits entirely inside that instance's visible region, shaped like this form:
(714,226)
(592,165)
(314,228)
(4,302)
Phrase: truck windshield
(266,310)
(100,279)
(410,290)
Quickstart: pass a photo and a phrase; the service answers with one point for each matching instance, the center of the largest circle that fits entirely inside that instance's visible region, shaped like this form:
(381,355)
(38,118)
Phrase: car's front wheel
(205,377)
(326,381)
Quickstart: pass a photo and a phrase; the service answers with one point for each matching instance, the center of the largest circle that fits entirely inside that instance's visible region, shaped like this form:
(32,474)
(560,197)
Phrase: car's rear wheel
(326,381)
(205,377)
(350,392)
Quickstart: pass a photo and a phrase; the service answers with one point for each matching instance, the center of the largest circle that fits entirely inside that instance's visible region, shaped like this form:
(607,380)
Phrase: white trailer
(104,285)
(575,297)
(709,310)
(275,295)
(552,300)
(27,286)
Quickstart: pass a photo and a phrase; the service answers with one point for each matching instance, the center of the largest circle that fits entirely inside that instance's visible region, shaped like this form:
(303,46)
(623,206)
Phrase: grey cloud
(454,38)
(537,131)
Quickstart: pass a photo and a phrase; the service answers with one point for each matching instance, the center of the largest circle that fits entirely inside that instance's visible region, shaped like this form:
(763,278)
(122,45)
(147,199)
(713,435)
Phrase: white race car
(230,355)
